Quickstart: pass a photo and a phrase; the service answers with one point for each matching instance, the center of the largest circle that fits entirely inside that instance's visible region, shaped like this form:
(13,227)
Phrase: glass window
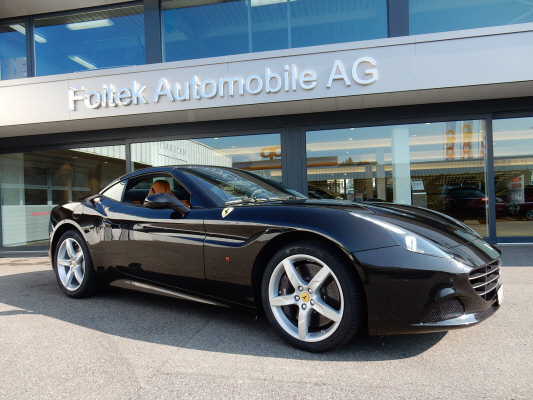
(80,194)
(140,188)
(316,22)
(205,28)
(513,174)
(209,28)
(34,182)
(427,16)
(440,166)
(13,51)
(94,40)
(60,196)
(258,153)
(115,191)
(269,25)
(239,186)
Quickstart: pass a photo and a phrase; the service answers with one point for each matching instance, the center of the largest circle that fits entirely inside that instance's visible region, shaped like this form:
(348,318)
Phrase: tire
(529,214)
(73,266)
(312,296)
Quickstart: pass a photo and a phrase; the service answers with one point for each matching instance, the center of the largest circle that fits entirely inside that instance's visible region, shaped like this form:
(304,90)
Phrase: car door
(156,245)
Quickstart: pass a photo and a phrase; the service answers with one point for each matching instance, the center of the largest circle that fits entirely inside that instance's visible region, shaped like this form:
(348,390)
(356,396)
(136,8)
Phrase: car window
(115,192)
(138,189)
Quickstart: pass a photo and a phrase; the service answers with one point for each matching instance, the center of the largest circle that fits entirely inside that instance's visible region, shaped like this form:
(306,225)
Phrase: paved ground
(125,345)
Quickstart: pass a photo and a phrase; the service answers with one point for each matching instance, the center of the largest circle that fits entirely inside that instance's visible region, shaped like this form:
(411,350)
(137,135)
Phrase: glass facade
(94,40)
(441,166)
(114,36)
(13,51)
(245,26)
(258,153)
(428,16)
(32,183)
(513,174)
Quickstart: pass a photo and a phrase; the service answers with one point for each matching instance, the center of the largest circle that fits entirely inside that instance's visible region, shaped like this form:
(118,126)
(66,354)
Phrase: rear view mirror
(166,201)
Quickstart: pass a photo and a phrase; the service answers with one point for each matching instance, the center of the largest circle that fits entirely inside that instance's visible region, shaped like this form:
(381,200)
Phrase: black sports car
(322,270)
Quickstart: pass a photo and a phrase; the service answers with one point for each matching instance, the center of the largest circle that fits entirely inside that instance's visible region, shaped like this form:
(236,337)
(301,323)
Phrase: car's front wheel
(312,296)
(73,266)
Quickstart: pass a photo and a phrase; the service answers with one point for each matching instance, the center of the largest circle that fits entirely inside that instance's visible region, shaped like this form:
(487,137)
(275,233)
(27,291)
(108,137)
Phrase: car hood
(432,225)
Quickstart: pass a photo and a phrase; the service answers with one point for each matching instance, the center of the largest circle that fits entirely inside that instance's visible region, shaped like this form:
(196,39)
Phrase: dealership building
(422,102)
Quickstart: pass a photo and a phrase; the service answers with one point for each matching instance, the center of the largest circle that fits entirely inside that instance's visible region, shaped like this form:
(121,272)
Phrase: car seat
(162,186)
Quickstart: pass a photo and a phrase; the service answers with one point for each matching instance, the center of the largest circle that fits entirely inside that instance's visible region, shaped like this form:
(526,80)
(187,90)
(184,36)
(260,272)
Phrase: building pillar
(401,166)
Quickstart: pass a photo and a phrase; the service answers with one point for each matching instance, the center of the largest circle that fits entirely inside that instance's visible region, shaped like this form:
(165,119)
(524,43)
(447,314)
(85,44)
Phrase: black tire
(73,266)
(325,309)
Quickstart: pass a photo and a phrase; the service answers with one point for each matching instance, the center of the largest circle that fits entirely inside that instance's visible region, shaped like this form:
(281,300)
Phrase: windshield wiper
(261,200)
(245,201)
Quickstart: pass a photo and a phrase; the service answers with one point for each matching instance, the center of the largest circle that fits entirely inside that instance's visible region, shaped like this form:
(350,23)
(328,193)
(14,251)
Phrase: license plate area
(501,296)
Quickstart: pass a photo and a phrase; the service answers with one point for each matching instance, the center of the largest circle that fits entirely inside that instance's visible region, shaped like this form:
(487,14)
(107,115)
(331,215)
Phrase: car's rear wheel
(312,296)
(73,266)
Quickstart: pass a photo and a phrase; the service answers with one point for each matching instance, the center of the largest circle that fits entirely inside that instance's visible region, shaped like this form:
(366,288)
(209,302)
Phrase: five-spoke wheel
(312,296)
(73,267)
(70,264)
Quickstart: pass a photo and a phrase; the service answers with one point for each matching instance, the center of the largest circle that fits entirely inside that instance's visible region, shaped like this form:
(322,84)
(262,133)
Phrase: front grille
(484,280)
(448,309)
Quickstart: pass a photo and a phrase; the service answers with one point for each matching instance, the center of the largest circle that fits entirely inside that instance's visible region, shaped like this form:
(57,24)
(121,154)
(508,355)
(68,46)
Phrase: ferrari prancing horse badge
(226,211)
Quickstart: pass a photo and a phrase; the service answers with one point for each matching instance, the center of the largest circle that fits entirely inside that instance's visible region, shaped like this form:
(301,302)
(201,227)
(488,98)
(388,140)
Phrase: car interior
(138,190)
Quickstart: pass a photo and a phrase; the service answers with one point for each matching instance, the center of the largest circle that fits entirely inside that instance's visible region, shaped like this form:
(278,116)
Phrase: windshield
(238,186)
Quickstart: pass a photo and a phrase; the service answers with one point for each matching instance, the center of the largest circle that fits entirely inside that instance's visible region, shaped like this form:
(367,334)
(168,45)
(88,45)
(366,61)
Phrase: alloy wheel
(70,264)
(306,298)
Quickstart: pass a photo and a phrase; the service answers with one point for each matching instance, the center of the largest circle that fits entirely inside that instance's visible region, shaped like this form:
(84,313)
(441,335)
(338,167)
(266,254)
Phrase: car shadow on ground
(172,322)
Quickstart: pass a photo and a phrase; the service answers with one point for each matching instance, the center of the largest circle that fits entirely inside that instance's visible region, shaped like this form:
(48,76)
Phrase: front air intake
(448,309)
(484,280)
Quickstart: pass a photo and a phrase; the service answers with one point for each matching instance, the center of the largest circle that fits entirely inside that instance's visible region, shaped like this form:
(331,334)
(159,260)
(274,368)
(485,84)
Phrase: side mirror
(166,201)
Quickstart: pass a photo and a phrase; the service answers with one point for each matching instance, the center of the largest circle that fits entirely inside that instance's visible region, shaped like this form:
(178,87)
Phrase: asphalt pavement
(127,345)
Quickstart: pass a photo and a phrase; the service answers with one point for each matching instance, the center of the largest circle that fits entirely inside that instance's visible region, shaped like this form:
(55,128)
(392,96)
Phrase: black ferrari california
(321,270)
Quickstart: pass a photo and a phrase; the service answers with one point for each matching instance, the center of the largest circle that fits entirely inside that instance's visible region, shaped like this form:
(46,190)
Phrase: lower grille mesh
(448,309)
(484,280)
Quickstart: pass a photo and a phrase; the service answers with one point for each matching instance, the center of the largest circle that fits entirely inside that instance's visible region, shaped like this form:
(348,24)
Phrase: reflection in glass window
(198,29)
(34,182)
(209,28)
(427,16)
(258,153)
(440,166)
(513,174)
(316,22)
(94,40)
(269,25)
(13,51)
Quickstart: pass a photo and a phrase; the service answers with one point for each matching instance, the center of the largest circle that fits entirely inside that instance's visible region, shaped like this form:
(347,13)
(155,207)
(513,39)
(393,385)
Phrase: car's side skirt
(144,287)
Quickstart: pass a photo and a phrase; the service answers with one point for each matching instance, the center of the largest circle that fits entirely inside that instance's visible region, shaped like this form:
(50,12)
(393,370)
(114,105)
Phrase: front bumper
(408,292)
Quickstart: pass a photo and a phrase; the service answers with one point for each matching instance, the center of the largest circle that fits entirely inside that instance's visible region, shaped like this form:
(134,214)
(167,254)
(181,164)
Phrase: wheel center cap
(305,297)
(73,264)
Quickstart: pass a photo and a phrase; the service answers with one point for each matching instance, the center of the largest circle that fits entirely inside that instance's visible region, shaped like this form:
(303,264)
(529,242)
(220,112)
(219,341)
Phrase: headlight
(418,244)
(408,240)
